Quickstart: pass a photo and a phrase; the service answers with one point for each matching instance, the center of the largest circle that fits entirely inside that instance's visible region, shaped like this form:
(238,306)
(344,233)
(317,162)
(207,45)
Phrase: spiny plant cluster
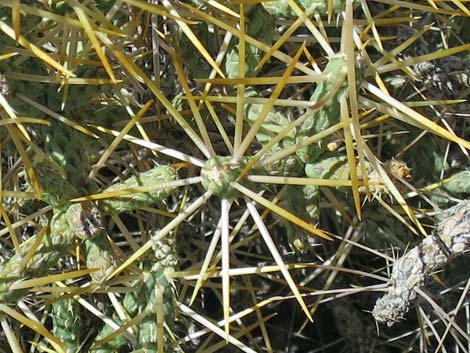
(202,176)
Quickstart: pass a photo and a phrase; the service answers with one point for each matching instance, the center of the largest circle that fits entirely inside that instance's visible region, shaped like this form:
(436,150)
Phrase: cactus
(328,115)
(283,8)
(66,323)
(125,203)
(98,255)
(458,183)
(155,281)
(197,162)
(153,291)
(61,144)
(118,344)
(45,257)
(52,177)
(157,291)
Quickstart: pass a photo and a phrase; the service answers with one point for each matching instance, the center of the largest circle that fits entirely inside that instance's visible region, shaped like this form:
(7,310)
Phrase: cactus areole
(217,174)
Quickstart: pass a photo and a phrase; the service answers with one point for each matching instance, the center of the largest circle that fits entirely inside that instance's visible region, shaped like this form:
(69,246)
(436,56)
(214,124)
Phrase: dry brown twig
(451,239)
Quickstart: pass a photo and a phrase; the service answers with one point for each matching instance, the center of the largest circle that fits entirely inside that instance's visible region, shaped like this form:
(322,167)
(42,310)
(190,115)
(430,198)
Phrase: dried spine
(451,239)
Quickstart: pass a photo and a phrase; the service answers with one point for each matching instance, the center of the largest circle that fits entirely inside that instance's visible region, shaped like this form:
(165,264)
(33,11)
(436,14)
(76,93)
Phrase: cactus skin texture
(80,220)
(451,239)
(260,25)
(83,221)
(217,174)
(67,324)
(155,287)
(56,190)
(459,183)
(282,8)
(131,202)
(65,146)
(99,255)
(148,298)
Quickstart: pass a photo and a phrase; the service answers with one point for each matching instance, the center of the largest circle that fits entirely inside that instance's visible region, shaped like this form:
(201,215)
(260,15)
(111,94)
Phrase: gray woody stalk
(451,239)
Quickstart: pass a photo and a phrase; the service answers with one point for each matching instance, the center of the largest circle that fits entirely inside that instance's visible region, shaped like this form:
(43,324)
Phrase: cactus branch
(451,239)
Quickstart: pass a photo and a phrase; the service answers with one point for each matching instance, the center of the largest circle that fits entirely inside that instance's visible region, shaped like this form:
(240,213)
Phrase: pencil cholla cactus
(157,299)
(157,296)
(154,295)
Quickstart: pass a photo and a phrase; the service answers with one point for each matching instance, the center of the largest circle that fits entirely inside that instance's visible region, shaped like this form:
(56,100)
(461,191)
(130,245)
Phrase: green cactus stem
(459,183)
(67,324)
(118,344)
(131,202)
(158,297)
(77,221)
(154,291)
(67,147)
(283,9)
(98,255)
(52,247)
(329,114)
(56,190)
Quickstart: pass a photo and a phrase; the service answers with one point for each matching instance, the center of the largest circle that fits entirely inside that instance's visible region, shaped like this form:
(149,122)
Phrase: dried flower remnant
(451,239)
